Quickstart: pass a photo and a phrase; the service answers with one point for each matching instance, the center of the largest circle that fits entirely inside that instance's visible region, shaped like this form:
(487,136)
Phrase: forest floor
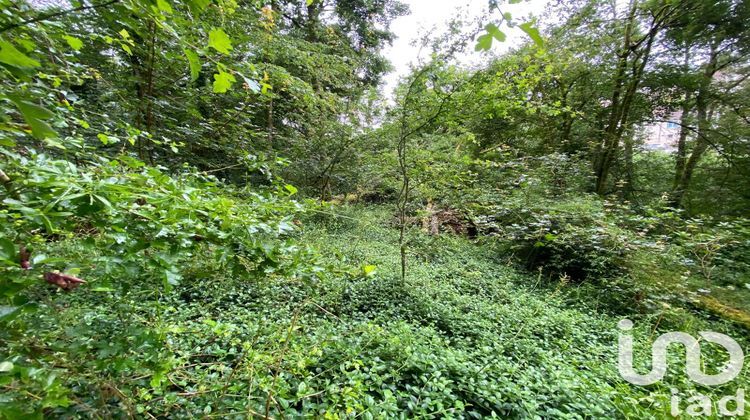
(466,335)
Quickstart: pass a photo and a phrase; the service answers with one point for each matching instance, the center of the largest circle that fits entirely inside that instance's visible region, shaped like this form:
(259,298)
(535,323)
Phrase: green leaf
(484,43)
(35,116)
(12,57)
(74,42)
(7,250)
(39,259)
(32,110)
(291,188)
(496,33)
(197,6)
(533,33)
(219,40)
(103,138)
(9,312)
(6,366)
(171,278)
(369,270)
(41,129)
(103,200)
(310,2)
(195,64)
(223,81)
(164,6)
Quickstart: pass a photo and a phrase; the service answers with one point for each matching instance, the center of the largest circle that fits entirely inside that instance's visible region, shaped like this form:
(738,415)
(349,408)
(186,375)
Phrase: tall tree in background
(633,57)
(716,46)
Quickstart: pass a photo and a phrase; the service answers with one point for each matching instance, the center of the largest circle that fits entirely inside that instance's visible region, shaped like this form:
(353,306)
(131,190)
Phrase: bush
(573,238)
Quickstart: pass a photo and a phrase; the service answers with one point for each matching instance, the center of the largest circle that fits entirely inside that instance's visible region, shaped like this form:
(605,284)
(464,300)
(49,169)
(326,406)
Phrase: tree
(715,43)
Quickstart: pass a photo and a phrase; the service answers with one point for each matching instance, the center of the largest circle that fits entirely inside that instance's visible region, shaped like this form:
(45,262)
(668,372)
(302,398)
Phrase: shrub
(573,238)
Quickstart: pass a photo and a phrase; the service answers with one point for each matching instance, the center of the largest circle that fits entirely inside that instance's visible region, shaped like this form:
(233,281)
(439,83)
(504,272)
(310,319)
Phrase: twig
(56,15)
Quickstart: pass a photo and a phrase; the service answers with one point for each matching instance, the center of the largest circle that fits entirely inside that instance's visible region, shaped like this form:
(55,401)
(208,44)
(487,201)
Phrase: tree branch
(56,15)
(713,145)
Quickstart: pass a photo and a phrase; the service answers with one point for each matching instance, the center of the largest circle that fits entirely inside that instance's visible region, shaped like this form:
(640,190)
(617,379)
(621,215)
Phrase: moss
(722,310)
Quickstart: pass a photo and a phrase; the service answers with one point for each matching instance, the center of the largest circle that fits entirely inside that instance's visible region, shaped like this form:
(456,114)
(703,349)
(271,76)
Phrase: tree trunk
(681,156)
(619,120)
(627,179)
(704,125)
(270,127)
(610,142)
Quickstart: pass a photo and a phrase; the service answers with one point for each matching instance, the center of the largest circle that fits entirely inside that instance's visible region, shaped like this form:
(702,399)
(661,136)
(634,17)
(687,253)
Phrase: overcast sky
(427,14)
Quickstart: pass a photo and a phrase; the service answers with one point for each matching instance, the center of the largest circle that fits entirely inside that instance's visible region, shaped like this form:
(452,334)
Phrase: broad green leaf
(219,40)
(310,2)
(102,200)
(194,63)
(54,143)
(12,57)
(47,224)
(26,44)
(164,6)
(7,250)
(533,33)
(74,42)
(223,82)
(7,142)
(39,259)
(6,366)
(35,116)
(496,33)
(197,6)
(484,43)
(369,270)
(9,312)
(291,188)
(171,278)
(29,109)
(103,138)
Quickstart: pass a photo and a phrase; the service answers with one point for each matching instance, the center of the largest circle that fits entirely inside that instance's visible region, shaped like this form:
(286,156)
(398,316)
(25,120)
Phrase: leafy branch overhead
(493,32)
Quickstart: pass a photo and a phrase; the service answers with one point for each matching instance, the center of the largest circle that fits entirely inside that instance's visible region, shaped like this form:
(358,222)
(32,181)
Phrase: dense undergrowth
(467,335)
